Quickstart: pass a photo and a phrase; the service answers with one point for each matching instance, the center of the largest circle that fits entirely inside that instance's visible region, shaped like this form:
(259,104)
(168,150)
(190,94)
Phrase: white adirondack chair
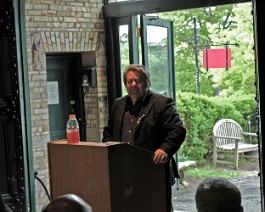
(228,137)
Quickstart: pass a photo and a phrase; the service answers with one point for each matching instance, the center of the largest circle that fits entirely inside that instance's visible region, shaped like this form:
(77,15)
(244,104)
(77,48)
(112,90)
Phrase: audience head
(67,203)
(216,194)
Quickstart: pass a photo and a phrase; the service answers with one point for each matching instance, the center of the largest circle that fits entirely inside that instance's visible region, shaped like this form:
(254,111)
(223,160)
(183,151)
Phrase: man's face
(136,88)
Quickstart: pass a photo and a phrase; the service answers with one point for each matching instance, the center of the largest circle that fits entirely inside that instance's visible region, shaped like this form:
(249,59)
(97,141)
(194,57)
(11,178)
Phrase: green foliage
(223,93)
(216,26)
(200,113)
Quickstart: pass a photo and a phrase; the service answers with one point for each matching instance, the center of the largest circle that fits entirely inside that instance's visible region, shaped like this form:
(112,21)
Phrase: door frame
(129,8)
(77,89)
(125,8)
(19,6)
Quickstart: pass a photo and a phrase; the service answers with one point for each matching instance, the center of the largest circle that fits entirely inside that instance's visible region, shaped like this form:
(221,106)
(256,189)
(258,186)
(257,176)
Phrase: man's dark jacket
(160,125)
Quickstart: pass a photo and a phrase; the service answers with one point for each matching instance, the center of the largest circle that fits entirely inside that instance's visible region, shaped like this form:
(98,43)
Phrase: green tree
(241,77)
(229,24)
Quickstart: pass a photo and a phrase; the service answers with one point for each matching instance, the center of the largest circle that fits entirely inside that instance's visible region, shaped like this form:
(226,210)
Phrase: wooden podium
(111,177)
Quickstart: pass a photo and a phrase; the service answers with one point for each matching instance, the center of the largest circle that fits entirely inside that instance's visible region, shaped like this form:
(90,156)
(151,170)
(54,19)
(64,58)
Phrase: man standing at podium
(147,120)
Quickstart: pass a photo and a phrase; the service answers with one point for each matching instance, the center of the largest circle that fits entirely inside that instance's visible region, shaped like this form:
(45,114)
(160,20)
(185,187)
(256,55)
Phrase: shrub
(199,114)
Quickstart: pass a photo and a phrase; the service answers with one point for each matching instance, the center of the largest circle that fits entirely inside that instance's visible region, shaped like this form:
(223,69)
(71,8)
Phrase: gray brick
(63,26)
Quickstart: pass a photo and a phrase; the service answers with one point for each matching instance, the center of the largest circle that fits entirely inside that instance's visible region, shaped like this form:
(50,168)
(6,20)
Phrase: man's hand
(160,156)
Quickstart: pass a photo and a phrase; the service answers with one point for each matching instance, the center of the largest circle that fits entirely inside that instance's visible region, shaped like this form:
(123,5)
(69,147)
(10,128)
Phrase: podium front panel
(80,169)
(137,184)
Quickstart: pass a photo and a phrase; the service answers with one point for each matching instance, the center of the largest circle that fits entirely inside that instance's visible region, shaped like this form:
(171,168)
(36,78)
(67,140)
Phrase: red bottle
(72,130)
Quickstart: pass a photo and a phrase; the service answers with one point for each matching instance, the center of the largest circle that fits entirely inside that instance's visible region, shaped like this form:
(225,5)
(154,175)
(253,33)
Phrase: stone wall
(60,27)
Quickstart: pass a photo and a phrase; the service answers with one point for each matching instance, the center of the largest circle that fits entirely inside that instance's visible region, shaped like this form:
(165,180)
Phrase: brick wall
(60,27)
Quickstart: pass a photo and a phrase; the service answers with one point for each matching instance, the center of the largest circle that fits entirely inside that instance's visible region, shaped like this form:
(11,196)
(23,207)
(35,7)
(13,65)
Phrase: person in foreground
(216,194)
(147,120)
(67,203)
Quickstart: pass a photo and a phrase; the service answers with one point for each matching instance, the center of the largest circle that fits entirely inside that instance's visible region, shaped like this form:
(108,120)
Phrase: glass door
(145,40)
(158,54)
(128,45)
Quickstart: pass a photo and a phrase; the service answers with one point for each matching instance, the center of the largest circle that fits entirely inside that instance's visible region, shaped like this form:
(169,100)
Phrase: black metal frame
(259,35)
(125,8)
(11,114)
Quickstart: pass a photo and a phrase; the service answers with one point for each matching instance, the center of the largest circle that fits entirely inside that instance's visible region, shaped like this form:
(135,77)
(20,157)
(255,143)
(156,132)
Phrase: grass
(211,171)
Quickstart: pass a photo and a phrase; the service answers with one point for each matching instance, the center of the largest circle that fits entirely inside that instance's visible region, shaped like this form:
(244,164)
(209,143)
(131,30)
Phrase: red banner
(217,58)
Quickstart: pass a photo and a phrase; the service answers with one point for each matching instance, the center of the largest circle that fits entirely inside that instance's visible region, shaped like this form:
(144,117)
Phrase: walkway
(184,200)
